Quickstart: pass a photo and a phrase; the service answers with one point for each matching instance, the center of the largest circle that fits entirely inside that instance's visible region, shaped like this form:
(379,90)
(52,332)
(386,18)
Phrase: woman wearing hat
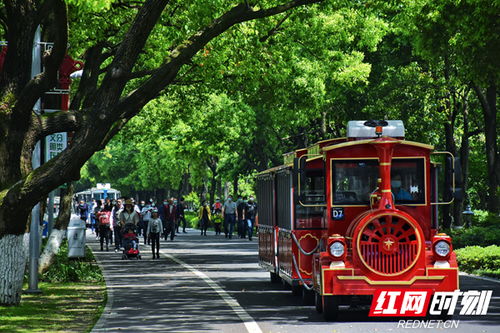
(129,216)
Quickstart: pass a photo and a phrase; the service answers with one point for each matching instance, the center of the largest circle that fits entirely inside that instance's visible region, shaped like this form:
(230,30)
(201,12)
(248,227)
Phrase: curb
(490,279)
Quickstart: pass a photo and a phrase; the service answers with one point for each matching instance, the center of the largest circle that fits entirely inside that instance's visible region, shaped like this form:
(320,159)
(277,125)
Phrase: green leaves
(270,86)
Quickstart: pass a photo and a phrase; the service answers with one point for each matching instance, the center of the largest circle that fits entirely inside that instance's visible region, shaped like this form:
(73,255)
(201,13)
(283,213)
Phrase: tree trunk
(488,104)
(12,264)
(451,147)
(213,186)
(492,158)
(235,186)
(59,231)
(458,206)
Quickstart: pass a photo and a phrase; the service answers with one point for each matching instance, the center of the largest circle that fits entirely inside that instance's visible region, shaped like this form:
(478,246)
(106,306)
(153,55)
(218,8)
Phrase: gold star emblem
(388,244)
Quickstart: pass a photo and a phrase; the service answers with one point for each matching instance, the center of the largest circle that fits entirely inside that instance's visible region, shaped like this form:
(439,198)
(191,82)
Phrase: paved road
(210,284)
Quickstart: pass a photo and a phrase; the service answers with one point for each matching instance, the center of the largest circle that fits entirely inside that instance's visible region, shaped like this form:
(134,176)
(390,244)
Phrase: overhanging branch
(62,121)
(182,54)
(58,29)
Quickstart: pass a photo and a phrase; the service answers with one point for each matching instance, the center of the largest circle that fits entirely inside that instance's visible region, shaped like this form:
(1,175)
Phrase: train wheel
(275,278)
(330,307)
(307,296)
(318,302)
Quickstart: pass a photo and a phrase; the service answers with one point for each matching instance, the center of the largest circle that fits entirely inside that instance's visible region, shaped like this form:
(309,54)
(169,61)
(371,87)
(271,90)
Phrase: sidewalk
(154,295)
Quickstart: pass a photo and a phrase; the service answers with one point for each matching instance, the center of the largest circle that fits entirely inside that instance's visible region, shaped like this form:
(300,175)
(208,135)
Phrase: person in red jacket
(168,212)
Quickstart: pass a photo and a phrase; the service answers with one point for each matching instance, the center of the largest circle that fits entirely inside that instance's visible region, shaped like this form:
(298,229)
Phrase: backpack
(155,226)
(104,218)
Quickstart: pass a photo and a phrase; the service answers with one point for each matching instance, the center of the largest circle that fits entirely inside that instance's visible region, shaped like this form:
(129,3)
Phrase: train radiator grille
(389,245)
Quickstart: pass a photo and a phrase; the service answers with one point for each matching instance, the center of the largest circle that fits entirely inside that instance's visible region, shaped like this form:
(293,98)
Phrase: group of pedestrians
(112,219)
(240,214)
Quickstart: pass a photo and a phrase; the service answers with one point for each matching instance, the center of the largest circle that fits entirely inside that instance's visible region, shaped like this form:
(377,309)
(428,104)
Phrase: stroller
(130,243)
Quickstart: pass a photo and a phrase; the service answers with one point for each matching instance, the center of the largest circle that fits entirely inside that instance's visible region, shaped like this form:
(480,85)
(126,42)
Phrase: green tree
(113,89)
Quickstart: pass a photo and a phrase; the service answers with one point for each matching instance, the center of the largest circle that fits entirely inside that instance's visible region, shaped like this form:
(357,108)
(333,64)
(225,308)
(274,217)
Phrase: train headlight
(442,248)
(337,249)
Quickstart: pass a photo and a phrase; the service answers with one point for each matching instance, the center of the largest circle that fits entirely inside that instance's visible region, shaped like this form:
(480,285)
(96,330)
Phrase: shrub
(484,218)
(192,219)
(192,200)
(476,235)
(480,260)
(65,269)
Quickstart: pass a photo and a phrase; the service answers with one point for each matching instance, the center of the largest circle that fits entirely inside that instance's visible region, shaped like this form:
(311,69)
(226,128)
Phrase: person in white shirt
(146,216)
(155,227)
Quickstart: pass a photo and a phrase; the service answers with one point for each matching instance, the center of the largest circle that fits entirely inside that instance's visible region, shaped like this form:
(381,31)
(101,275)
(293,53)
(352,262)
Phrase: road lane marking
(250,324)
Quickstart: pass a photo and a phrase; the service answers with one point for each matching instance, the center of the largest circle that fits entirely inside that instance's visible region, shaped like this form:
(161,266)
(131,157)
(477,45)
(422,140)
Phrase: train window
(353,181)
(407,180)
(314,187)
(313,193)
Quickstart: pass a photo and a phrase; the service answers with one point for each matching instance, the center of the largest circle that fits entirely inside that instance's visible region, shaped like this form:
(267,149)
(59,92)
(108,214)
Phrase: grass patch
(73,270)
(72,299)
(62,307)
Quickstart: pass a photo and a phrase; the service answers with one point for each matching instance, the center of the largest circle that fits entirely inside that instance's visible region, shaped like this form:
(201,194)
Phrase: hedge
(480,260)
(475,236)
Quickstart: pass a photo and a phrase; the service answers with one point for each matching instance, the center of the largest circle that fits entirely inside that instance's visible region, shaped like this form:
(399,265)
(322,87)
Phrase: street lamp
(468,213)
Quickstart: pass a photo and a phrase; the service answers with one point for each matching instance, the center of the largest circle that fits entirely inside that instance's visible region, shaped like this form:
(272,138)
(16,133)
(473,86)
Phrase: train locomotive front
(346,217)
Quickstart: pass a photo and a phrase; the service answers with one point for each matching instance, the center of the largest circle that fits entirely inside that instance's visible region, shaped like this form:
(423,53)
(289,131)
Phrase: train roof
(359,132)
(367,141)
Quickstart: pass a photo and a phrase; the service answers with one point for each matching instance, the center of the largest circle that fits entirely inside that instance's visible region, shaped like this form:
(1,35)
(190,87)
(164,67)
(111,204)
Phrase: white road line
(250,324)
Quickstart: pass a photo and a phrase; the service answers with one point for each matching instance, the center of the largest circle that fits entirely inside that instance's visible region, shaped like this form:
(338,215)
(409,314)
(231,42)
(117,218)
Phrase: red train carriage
(347,216)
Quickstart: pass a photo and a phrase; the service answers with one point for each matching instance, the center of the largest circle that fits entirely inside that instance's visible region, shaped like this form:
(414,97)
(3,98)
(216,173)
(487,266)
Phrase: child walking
(154,230)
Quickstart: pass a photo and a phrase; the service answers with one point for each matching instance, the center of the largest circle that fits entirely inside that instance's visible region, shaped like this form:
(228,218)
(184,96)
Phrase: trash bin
(76,238)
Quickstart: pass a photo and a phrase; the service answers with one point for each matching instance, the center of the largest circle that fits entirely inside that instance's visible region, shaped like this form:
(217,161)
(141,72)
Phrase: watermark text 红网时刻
(417,303)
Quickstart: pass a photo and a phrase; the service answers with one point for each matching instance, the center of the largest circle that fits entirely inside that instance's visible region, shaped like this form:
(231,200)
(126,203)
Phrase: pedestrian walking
(104,218)
(240,208)
(140,225)
(204,217)
(155,227)
(107,205)
(83,211)
(115,222)
(146,217)
(181,206)
(250,215)
(95,218)
(217,207)
(217,221)
(168,215)
(129,216)
(229,212)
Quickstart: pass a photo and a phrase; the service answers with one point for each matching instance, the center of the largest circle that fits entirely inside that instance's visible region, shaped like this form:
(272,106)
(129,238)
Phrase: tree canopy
(181,96)
(275,85)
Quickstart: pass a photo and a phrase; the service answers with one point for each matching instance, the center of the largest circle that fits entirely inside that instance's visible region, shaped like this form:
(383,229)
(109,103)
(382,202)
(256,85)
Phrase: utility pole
(34,251)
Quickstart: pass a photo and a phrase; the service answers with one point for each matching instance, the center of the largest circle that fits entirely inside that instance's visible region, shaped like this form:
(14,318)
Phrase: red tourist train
(345,217)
